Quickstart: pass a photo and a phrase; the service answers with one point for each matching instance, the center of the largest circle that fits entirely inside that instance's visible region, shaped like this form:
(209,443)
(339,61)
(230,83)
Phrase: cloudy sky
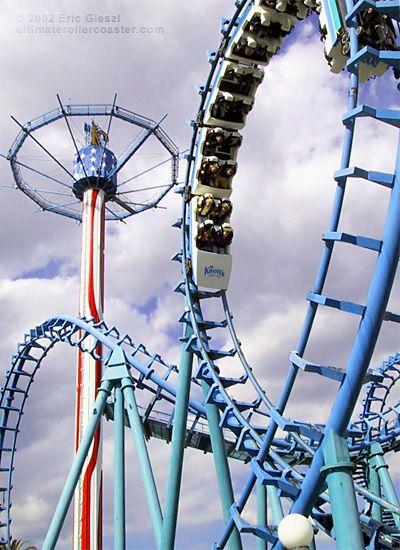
(282,199)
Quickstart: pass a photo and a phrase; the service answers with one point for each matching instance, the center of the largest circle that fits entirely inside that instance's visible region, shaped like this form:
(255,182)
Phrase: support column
(338,472)
(119,470)
(382,470)
(143,458)
(221,466)
(87,504)
(374,487)
(275,503)
(178,443)
(84,448)
(262,519)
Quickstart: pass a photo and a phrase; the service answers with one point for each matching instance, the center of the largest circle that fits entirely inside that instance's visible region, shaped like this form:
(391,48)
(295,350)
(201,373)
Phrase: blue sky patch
(49,271)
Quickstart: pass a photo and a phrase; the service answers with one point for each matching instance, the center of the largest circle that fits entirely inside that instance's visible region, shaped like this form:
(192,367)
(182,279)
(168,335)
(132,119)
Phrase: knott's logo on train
(212,271)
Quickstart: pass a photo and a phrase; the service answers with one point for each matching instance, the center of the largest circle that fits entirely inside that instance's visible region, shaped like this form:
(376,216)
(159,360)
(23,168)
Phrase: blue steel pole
(119,469)
(143,458)
(221,465)
(382,470)
(364,343)
(262,519)
(76,468)
(178,443)
(338,470)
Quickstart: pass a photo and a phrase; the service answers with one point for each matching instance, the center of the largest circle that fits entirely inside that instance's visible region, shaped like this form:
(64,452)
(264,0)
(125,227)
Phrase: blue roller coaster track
(333,472)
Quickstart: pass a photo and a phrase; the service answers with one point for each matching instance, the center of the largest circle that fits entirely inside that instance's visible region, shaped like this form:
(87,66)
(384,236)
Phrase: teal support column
(68,491)
(119,469)
(178,443)
(262,519)
(143,458)
(221,466)
(338,472)
(378,462)
(275,504)
(374,487)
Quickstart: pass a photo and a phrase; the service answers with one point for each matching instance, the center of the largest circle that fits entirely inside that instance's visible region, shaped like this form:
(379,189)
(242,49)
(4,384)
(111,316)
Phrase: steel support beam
(338,471)
(76,468)
(382,469)
(119,469)
(275,504)
(374,487)
(221,466)
(143,458)
(262,519)
(178,443)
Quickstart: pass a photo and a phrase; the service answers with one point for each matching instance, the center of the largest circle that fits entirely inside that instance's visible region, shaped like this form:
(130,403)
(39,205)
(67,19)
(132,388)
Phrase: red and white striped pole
(88,496)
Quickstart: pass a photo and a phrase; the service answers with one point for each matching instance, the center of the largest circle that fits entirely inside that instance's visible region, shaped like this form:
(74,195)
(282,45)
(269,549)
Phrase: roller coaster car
(228,110)
(214,238)
(239,80)
(248,49)
(213,208)
(217,142)
(374,29)
(214,176)
(277,12)
(267,23)
(259,37)
(292,7)
(211,261)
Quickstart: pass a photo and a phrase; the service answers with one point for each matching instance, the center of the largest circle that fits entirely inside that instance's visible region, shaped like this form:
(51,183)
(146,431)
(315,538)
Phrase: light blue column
(262,519)
(382,469)
(221,466)
(143,458)
(119,470)
(76,468)
(178,443)
(275,504)
(374,487)
(338,471)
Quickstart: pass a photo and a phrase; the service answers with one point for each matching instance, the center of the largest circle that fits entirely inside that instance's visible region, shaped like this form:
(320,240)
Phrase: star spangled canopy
(94,161)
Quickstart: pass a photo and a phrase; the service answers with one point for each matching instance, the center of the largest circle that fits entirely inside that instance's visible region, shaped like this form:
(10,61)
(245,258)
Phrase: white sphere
(295,531)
